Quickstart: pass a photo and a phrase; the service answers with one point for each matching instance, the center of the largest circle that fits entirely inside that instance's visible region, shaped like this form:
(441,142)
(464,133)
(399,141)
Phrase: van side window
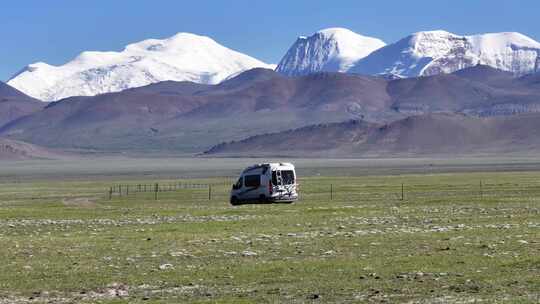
(252,181)
(288,177)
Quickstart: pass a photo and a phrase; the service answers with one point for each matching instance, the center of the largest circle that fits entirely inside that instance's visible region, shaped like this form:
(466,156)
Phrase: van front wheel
(234,201)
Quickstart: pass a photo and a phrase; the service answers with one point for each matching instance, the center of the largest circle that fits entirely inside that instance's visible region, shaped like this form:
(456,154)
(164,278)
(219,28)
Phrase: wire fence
(340,191)
(404,192)
(119,190)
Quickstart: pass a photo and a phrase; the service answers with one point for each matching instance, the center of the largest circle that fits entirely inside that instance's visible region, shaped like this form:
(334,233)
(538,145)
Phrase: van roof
(281,165)
(270,165)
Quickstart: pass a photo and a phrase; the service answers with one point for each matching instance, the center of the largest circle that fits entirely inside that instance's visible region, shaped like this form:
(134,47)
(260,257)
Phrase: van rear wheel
(262,198)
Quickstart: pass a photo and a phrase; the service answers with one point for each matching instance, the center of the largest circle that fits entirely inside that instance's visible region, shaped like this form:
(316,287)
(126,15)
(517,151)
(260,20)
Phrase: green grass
(447,241)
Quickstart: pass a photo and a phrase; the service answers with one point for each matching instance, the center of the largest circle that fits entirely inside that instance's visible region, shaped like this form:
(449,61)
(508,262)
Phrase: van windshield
(288,177)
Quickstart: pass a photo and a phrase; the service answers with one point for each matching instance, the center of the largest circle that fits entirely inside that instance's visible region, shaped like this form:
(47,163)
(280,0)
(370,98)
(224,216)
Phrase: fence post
(481,192)
(120,189)
(209,192)
(156,191)
(127,190)
(110,193)
(331,192)
(402,192)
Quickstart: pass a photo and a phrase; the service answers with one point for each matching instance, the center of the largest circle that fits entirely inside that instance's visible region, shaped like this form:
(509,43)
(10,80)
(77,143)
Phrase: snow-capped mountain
(183,57)
(332,50)
(434,52)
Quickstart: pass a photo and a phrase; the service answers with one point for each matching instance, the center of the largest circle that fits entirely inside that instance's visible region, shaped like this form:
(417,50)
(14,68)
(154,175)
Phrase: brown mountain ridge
(15,104)
(189,117)
(430,134)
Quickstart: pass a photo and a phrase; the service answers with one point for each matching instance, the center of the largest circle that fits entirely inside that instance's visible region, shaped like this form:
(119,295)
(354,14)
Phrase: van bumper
(284,198)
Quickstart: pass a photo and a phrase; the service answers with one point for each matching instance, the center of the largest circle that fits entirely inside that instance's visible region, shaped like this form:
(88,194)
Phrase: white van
(274,182)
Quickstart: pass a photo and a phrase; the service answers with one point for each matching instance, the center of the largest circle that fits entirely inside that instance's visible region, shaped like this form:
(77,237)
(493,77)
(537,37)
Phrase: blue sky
(55,31)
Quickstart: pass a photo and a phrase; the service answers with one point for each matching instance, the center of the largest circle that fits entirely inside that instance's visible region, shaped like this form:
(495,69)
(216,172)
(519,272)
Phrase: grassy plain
(449,240)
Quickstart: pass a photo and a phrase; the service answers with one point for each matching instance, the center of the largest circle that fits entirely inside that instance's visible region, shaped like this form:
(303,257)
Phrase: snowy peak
(190,57)
(504,39)
(434,52)
(181,42)
(332,50)
(432,43)
(182,57)
(350,45)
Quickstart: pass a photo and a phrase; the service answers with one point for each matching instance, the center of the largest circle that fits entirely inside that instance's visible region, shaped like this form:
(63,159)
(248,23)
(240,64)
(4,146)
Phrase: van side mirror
(237,185)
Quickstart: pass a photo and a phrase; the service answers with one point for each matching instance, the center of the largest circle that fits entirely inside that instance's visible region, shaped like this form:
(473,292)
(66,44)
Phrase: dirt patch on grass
(83,202)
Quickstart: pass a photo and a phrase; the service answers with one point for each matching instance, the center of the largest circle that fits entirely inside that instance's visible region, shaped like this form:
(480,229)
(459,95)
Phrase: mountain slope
(18,150)
(433,134)
(329,50)
(14,104)
(435,52)
(479,90)
(183,57)
(190,117)
(322,139)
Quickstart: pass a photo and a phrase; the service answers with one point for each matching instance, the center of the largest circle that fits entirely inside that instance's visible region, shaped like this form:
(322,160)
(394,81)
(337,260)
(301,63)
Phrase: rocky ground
(444,242)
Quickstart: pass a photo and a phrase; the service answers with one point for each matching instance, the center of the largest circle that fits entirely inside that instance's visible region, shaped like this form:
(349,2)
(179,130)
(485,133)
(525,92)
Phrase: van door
(277,180)
(252,187)
(287,181)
